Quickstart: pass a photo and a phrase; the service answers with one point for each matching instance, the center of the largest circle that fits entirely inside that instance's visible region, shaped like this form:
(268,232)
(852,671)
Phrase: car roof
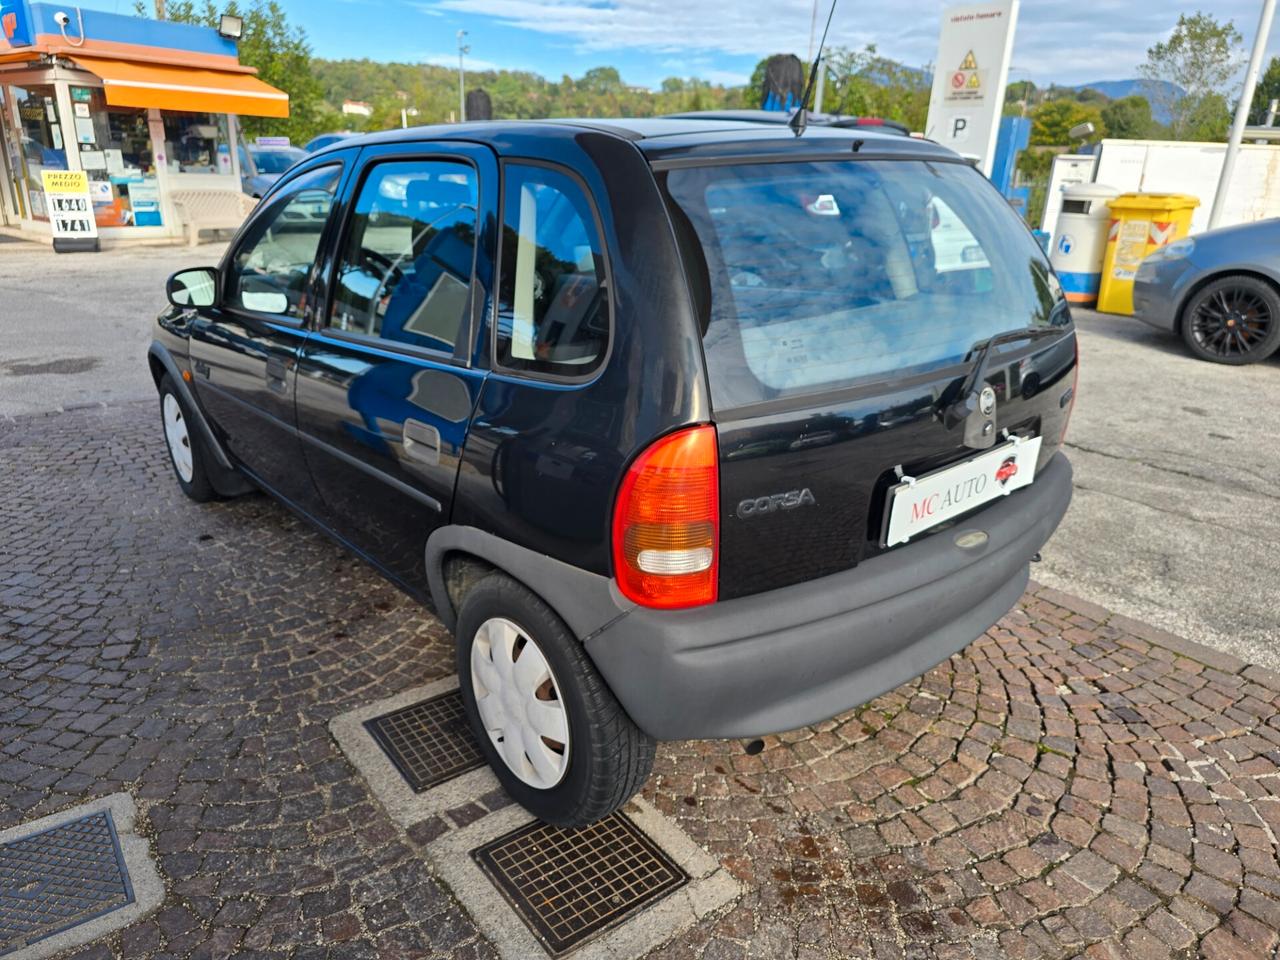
(672,140)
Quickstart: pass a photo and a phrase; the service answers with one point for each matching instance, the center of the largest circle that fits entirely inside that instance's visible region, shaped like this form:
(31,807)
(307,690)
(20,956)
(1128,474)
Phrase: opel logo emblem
(987,401)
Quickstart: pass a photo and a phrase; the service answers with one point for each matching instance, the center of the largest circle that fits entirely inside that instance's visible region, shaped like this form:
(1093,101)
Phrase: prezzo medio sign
(972,70)
(70,209)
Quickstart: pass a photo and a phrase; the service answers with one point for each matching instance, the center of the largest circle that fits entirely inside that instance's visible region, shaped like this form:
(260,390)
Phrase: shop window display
(41,140)
(116,153)
(197,142)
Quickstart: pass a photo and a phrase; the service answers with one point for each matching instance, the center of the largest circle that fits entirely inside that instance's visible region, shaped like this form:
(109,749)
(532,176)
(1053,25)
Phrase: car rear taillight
(1071,401)
(666,522)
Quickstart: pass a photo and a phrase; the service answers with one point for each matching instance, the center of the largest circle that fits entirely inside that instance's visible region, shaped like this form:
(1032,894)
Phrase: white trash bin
(1080,240)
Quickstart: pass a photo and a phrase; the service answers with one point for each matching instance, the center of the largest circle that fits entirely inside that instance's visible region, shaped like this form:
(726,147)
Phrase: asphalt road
(1176,519)
(76,326)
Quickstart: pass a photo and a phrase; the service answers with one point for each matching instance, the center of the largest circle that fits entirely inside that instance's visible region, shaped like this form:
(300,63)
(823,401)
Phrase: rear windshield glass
(814,276)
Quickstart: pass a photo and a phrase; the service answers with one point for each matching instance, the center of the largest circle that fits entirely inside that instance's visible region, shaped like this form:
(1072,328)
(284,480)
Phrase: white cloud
(1063,40)
(470,62)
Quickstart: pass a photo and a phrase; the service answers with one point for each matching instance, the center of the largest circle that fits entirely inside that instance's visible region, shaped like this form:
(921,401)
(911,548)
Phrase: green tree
(1268,90)
(604,81)
(1052,121)
(1090,95)
(1191,72)
(862,83)
(1208,118)
(278,50)
(1019,98)
(1129,118)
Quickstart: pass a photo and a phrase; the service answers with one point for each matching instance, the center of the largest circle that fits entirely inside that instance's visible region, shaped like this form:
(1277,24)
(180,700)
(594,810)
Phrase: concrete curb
(403,805)
(97,406)
(710,888)
(148,888)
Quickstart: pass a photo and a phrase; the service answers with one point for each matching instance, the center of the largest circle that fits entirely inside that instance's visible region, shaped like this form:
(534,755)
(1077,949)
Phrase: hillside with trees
(1184,91)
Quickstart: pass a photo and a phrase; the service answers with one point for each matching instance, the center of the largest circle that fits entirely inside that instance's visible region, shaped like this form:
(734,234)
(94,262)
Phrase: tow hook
(752,747)
(1035,557)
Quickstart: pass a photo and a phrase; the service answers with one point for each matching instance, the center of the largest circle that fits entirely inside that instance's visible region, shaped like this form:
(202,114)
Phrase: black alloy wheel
(1235,320)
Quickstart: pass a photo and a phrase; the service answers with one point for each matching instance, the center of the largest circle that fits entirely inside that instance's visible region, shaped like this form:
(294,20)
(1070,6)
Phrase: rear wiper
(966,404)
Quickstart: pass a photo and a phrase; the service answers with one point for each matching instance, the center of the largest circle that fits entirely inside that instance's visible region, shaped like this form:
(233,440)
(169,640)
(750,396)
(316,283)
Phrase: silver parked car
(1220,290)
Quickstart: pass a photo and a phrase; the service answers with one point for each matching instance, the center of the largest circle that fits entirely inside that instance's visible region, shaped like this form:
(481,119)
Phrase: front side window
(553,305)
(271,268)
(822,274)
(405,273)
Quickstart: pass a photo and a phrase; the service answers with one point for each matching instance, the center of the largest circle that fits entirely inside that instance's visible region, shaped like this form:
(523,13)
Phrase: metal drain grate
(429,742)
(569,886)
(60,878)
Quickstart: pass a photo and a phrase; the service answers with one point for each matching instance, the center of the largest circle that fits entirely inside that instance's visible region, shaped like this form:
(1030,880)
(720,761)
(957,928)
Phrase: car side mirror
(197,287)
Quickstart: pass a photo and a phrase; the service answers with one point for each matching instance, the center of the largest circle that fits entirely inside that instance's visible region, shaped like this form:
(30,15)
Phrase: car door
(386,384)
(244,349)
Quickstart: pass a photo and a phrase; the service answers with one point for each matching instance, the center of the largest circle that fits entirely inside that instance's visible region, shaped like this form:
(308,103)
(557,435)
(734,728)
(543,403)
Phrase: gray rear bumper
(790,657)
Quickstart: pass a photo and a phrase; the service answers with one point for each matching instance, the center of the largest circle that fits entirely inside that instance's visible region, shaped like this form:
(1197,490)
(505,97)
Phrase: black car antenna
(800,119)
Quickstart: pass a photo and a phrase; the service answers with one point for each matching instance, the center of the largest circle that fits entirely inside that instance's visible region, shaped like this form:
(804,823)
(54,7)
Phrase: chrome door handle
(421,442)
(277,370)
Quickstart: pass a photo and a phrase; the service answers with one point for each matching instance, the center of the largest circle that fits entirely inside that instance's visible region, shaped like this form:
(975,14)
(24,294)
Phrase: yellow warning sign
(974,83)
(970,62)
(65,181)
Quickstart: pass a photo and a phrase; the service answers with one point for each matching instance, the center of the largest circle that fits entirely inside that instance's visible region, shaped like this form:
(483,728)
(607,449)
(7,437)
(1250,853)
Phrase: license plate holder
(918,504)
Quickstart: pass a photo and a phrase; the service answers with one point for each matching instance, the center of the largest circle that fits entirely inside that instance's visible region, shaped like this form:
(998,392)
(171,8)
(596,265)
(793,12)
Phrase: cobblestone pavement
(1073,784)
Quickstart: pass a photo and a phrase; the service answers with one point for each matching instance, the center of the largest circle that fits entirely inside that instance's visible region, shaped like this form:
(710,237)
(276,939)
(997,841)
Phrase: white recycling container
(1080,240)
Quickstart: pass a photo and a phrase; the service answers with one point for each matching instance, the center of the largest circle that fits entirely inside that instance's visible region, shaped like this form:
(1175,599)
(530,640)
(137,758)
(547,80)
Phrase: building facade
(146,109)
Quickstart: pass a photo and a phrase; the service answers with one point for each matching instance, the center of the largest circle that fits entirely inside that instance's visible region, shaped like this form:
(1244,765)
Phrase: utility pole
(822,82)
(159,9)
(1242,111)
(813,26)
(462,81)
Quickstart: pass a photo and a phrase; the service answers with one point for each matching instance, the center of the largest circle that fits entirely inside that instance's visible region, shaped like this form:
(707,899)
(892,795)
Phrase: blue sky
(1067,41)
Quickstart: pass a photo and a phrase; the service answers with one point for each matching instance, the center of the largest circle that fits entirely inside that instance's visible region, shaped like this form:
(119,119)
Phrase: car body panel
(1163,285)
(529,467)
(544,457)
(847,453)
(244,369)
(383,425)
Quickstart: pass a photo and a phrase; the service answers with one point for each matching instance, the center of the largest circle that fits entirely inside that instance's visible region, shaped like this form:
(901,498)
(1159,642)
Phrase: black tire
(199,487)
(609,756)
(1234,320)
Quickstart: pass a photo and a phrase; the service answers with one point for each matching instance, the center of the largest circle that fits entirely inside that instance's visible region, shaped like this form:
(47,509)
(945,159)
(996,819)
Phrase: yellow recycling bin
(1140,223)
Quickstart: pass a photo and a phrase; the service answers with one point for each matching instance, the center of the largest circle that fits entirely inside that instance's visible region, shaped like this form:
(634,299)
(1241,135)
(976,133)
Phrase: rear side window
(825,274)
(405,274)
(553,304)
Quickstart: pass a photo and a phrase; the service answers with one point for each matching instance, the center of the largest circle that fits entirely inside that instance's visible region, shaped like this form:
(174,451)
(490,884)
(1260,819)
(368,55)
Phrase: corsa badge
(1007,471)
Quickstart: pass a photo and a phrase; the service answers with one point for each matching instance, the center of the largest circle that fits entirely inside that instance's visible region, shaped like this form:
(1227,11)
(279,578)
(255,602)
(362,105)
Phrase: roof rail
(782,117)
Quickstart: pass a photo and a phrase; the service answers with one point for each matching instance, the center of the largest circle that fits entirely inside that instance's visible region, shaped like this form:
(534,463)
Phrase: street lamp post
(462,82)
(1242,111)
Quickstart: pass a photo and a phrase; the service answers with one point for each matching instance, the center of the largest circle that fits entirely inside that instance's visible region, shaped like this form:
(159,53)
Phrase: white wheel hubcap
(175,432)
(519,702)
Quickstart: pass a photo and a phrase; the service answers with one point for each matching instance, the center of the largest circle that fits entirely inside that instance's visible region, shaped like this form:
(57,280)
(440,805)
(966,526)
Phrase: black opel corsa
(687,428)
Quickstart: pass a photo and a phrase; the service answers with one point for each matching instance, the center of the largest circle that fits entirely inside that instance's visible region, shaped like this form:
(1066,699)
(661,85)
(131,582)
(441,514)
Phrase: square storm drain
(568,886)
(59,878)
(428,742)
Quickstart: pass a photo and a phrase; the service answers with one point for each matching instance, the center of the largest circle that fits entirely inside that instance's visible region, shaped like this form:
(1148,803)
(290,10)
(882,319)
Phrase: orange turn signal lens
(666,522)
